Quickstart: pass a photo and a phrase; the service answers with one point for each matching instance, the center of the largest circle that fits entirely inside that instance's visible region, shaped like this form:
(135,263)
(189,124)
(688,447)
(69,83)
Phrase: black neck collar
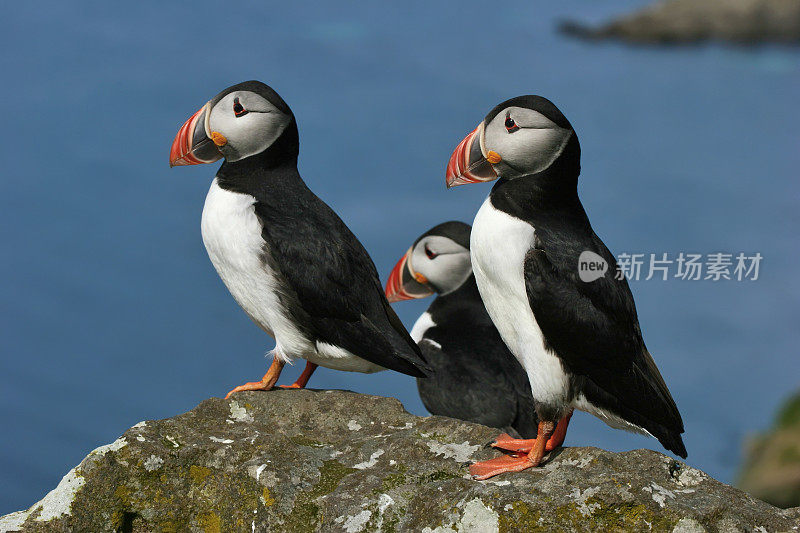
(465,292)
(280,154)
(554,188)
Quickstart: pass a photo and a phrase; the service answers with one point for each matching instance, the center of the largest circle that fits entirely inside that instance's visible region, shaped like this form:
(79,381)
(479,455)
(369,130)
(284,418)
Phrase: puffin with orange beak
(473,375)
(287,259)
(578,338)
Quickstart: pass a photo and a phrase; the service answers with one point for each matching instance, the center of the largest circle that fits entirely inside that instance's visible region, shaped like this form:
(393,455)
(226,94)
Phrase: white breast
(498,245)
(232,235)
(423,324)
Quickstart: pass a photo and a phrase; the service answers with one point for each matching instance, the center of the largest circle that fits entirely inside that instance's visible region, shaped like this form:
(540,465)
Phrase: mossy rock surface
(305,460)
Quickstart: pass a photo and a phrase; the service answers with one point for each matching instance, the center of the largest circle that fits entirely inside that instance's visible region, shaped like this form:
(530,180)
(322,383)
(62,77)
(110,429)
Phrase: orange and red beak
(404,283)
(469,164)
(192,144)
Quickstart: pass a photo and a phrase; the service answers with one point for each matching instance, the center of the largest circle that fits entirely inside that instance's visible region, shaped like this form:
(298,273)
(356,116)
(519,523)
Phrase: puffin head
(522,136)
(437,262)
(243,120)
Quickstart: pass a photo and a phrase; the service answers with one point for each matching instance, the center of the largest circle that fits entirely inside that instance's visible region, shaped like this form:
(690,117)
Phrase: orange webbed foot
(250,385)
(500,465)
(266,383)
(508,443)
(524,453)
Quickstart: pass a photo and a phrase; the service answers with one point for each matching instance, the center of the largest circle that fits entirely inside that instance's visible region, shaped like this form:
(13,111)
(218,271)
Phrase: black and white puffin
(473,375)
(288,260)
(579,341)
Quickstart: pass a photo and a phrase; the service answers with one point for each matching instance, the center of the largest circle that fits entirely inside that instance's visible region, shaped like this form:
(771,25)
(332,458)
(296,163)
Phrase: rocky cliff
(304,460)
(689,21)
(772,467)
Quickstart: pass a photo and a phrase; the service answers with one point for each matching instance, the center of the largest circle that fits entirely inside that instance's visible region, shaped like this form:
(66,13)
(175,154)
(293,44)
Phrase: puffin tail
(416,367)
(408,357)
(674,443)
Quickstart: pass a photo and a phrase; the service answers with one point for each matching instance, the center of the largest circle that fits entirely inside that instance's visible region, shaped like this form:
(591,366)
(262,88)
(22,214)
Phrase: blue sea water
(111,313)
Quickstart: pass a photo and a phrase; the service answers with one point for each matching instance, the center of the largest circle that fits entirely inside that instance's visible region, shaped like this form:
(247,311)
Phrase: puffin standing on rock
(579,341)
(473,375)
(288,260)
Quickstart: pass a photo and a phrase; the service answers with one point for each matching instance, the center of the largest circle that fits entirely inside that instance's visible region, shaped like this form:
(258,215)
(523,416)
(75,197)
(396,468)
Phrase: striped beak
(469,164)
(404,283)
(192,144)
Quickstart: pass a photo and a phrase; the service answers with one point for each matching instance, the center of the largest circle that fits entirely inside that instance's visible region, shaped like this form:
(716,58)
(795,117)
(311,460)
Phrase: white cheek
(532,150)
(247,135)
(449,269)
(419,261)
(450,272)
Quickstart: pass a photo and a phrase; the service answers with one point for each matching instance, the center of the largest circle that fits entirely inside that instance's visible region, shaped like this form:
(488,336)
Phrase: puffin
(473,375)
(578,337)
(285,256)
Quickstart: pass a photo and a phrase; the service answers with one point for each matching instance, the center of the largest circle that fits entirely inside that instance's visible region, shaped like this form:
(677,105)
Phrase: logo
(591,266)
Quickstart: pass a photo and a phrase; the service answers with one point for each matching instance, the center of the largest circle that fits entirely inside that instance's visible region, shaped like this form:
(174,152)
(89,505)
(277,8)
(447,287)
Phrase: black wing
(336,286)
(474,377)
(594,329)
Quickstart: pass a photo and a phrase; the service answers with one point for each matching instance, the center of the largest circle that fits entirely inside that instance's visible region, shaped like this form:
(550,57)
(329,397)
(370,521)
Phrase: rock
(304,460)
(772,466)
(688,21)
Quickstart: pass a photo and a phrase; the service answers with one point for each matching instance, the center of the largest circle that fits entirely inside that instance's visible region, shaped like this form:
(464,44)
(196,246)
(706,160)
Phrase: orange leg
(521,460)
(267,382)
(510,444)
(546,430)
(303,379)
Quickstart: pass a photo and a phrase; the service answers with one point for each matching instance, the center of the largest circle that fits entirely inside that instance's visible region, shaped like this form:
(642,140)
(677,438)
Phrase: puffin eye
(511,126)
(430,253)
(238,109)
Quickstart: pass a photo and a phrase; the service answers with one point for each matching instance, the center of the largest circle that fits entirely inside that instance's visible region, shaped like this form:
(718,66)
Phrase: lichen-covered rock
(772,467)
(304,460)
(688,21)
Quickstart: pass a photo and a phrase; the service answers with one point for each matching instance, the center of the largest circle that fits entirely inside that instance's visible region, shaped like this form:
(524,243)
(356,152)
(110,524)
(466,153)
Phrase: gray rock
(688,21)
(304,460)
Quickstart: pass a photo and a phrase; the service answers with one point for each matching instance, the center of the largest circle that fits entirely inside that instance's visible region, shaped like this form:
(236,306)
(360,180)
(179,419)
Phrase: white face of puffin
(248,124)
(517,142)
(435,264)
(241,124)
(526,142)
(442,262)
